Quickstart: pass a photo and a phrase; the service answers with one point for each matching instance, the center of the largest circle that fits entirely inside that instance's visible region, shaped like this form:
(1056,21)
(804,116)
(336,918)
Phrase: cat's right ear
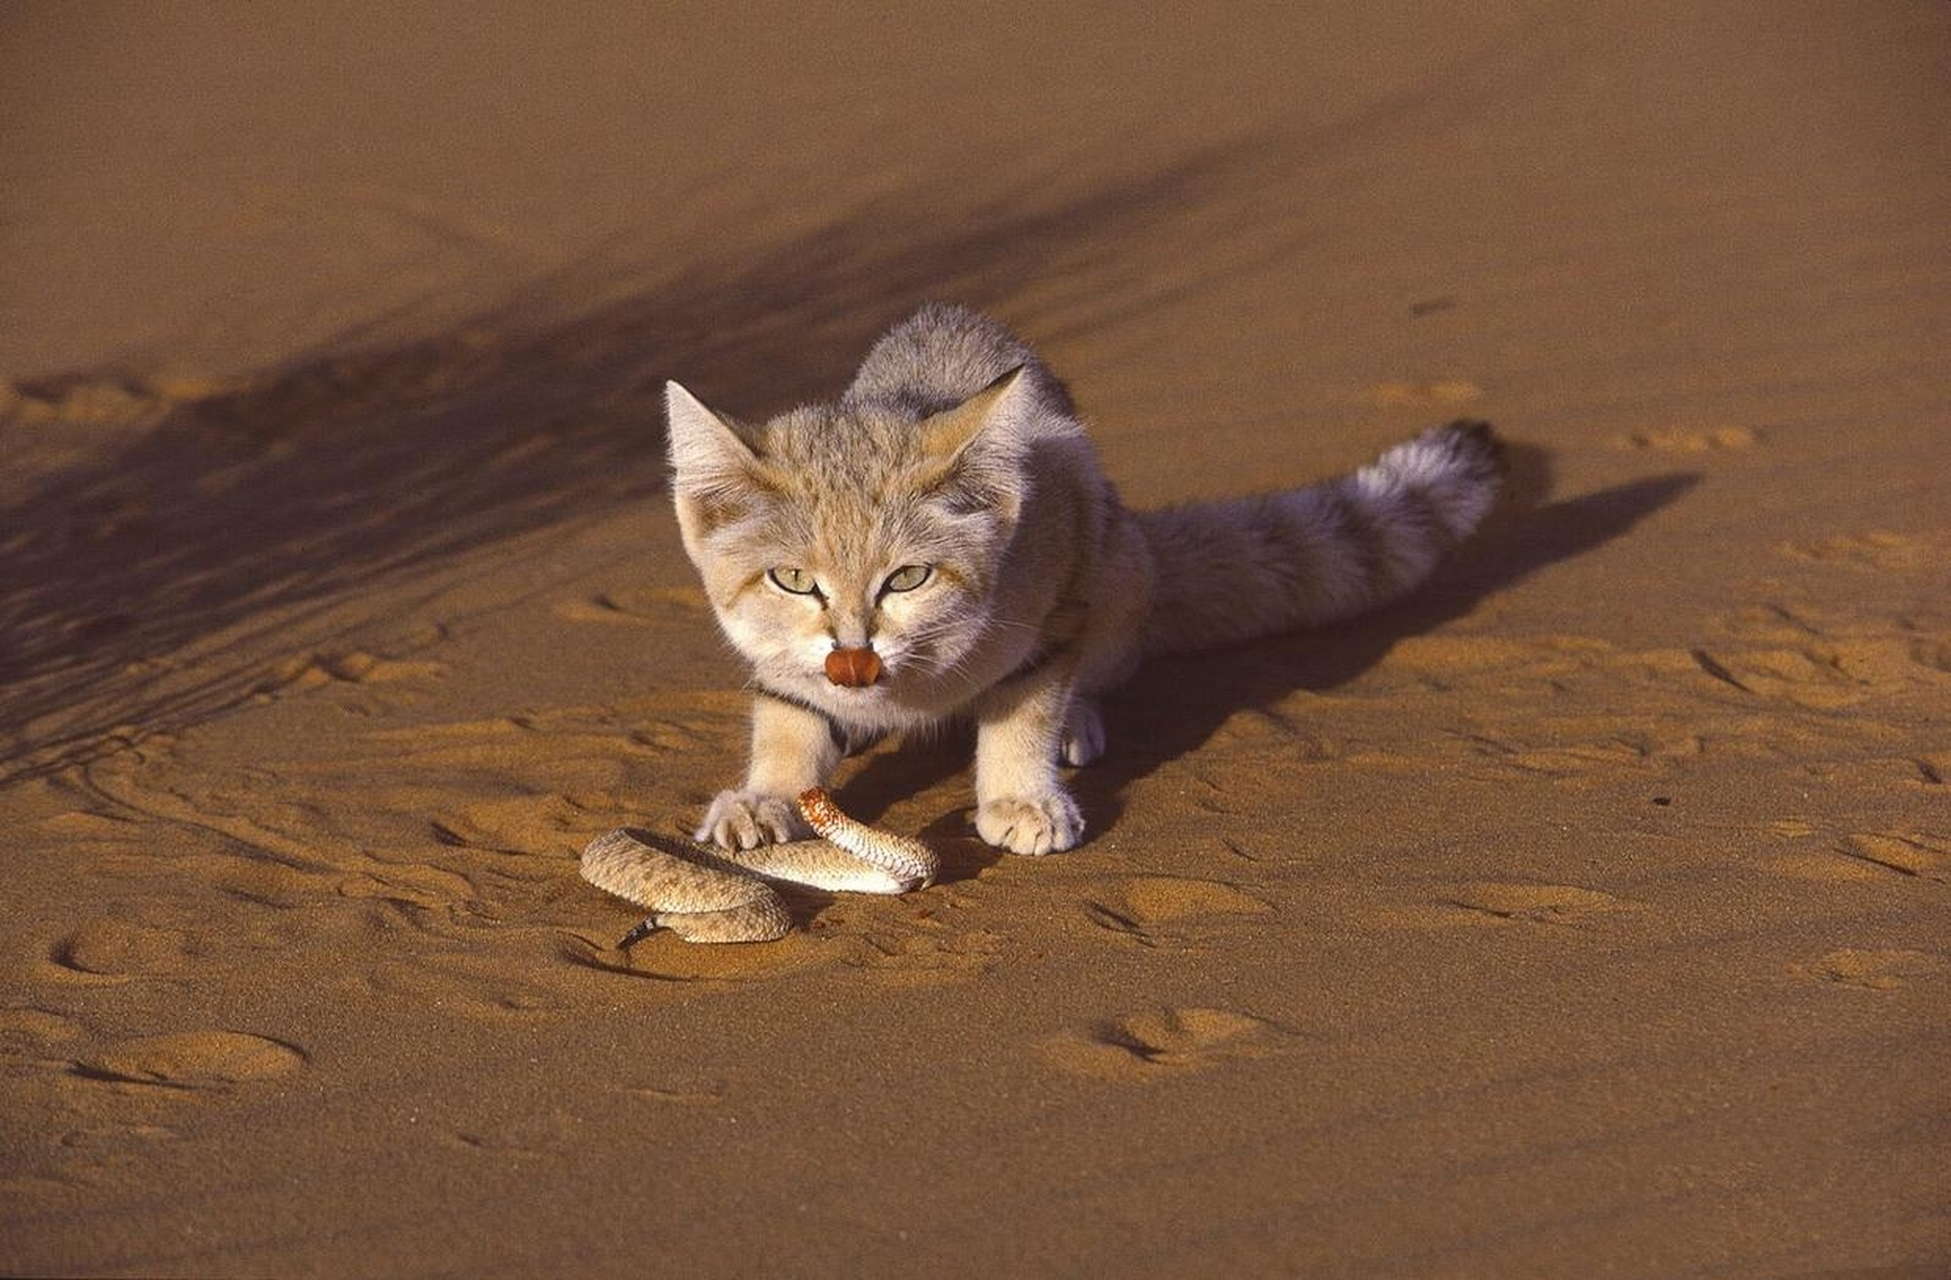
(702,443)
(714,468)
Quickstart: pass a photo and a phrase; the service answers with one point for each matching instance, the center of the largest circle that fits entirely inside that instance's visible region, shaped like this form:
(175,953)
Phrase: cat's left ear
(987,413)
(977,448)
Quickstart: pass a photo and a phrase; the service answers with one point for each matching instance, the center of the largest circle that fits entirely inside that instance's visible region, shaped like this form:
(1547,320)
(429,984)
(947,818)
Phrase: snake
(706,894)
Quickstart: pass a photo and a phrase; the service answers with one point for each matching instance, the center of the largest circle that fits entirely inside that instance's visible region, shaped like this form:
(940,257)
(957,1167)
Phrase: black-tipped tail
(1242,568)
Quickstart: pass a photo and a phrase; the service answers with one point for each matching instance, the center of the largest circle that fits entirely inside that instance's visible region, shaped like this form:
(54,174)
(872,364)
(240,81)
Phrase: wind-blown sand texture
(1589,914)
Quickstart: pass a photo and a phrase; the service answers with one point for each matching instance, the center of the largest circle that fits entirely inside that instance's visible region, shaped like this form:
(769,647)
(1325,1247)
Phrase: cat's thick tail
(1241,568)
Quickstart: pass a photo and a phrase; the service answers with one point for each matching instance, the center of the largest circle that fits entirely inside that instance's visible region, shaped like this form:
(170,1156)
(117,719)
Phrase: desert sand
(1589,914)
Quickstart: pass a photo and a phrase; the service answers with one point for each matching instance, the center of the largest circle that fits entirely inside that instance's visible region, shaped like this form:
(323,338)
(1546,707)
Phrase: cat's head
(852,527)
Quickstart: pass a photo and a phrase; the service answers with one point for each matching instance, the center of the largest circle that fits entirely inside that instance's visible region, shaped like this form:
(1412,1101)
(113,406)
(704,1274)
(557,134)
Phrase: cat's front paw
(1048,822)
(748,819)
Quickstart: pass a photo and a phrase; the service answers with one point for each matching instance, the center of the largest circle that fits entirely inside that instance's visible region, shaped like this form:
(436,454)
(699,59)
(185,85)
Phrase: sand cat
(941,543)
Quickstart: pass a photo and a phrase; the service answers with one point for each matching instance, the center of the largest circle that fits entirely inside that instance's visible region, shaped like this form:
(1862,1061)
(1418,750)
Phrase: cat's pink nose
(855,668)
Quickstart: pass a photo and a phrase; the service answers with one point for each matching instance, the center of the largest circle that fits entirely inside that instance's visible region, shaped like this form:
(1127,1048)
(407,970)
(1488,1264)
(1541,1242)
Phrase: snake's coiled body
(718,895)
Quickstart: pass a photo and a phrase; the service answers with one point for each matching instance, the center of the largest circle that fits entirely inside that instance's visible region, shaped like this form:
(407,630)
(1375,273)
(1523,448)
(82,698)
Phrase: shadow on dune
(1175,704)
(161,583)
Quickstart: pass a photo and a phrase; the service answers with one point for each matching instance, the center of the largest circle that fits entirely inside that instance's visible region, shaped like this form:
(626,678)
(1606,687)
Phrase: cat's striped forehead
(857,491)
(834,445)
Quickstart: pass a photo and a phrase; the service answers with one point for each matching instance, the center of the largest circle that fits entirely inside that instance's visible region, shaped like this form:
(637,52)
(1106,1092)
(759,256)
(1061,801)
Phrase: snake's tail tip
(643,930)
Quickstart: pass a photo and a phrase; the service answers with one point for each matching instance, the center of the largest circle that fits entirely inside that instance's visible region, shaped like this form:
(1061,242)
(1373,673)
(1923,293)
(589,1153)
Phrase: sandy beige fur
(956,457)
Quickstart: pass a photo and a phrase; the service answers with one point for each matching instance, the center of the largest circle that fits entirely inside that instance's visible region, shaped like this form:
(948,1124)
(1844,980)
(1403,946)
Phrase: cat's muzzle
(854,668)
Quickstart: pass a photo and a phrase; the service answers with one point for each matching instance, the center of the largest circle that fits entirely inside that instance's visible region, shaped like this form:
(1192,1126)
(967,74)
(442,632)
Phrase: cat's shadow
(1175,704)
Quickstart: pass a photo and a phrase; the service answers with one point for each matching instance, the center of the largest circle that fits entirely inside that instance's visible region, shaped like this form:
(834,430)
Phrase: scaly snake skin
(717,895)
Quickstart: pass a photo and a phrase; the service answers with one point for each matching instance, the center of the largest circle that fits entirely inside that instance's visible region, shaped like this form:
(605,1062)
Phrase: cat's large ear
(977,448)
(715,471)
(702,443)
(989,412)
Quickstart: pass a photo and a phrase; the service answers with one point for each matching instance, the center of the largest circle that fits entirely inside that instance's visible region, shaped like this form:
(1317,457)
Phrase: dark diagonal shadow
(151,586)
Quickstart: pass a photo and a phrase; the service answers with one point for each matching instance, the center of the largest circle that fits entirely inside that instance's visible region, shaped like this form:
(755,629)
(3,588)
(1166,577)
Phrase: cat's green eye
(907,577)
(797,581)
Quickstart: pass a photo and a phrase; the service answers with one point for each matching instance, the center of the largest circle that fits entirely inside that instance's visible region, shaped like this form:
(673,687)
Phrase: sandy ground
(1589,915)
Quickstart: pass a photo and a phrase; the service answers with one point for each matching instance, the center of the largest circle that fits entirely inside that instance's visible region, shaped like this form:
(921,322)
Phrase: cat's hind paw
(748,819)
(1083,734)
(1049,822)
